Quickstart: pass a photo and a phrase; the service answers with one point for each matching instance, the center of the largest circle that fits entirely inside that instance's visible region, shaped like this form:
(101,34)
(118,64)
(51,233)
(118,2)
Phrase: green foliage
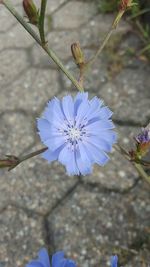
(106,6)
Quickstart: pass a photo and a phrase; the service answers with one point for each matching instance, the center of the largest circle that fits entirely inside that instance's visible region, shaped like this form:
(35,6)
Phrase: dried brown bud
(9,162)
(31,11)
(125,4)
(77,54)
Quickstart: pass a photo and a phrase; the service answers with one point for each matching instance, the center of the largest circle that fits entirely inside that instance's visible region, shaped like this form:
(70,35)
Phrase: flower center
(74,133)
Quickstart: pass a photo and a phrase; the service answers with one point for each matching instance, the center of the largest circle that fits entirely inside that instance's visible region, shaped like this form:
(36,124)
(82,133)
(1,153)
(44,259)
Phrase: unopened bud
(31,11)
(143,141)
(124,5)
(77,54)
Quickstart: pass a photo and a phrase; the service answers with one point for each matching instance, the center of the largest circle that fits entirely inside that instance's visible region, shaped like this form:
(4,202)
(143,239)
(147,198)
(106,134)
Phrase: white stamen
(74,133)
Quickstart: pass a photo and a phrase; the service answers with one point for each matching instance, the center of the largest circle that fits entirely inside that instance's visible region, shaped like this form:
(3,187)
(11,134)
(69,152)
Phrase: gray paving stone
(33,89)
(118,174)
(75,14)
(54,5)
(93,221)
(91,225)
(16,37)
(6,19)
(36,185)
(40,58)
(92,34)
(61,41)
(16,133)
(13,63)
(128,95)
(21,236)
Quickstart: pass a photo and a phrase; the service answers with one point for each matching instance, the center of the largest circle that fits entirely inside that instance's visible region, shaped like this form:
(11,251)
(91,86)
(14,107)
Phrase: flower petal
(83,167)
(51,155)
(114,261)
(82,112)
(102,113)
(80,97)
(98,126)
(35,263)
(53,113)
(100,143)
(68,158)
(95,104)
(68,108)
(46,130)
(71,167)
(69,263)
(44,257)
(57,258)
(97,155)
(109,136)
(54,142)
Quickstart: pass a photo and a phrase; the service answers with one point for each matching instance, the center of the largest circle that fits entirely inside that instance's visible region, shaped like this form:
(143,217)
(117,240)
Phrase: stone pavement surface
(91,217)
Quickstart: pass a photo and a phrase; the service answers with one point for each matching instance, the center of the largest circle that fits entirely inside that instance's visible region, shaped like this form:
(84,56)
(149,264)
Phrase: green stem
(145,49)
(51,54)
(101,47)
(41,21)
(107,37)
(142,173)
(137,166)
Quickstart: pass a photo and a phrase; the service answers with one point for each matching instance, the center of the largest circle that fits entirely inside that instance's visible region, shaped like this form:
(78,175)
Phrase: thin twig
(142,173)
(41,21)
(28,156)
(107,36)
(137,166)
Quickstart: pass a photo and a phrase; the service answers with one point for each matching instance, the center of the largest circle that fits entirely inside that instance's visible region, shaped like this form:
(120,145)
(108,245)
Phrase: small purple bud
(144,136)
(143,141)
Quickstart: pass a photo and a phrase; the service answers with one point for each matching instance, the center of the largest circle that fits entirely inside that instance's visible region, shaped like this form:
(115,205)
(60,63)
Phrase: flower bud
(31,11)
(77,54)
(143,141)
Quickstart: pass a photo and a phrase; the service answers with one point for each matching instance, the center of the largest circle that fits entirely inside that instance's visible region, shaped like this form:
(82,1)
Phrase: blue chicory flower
(78,132)
(114,261)
(58,260)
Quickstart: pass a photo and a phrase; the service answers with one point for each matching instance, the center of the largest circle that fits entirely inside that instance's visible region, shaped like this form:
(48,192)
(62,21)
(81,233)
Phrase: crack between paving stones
(128,123)
(64,197)
(28,211)
(102,189)
(49,236)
